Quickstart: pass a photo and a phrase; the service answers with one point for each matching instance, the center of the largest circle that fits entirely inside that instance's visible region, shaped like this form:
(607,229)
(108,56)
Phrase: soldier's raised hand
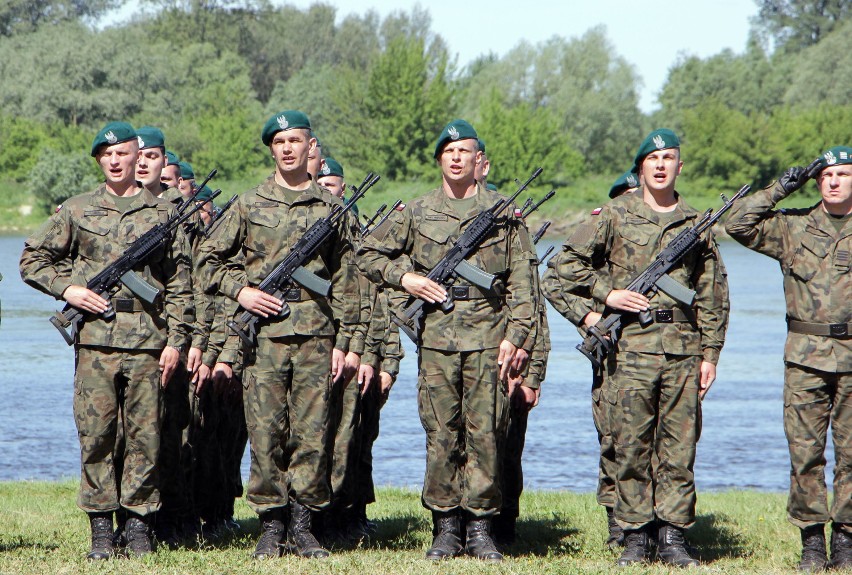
(793,179)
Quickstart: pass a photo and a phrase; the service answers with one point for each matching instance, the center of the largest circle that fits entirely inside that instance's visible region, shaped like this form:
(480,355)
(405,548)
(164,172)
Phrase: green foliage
(820,74)
(25,16)
(57,176)
(797,24)
(20,140)
(521,138)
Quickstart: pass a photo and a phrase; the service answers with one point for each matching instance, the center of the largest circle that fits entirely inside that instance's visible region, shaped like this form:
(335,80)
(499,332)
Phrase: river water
(742,444)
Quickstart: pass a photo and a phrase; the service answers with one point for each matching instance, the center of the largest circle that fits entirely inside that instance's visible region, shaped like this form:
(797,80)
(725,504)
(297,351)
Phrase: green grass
(42,531)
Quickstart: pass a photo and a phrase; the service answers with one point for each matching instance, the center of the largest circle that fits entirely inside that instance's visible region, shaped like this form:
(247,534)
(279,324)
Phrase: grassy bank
(42,531)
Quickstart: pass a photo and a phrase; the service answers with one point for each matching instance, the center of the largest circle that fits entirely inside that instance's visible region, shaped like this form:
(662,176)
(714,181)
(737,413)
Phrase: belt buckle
(461,292)
(123,305)
(838,329)
(664,316)
(293,295)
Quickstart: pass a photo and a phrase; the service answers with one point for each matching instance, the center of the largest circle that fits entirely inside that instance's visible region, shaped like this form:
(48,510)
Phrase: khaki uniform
(815,261)
(653,374)
(462,405)
(288,381)
(117,367)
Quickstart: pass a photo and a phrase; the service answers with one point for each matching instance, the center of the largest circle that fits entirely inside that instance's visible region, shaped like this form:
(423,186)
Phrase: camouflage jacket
(613,246)
(540,348)
(383,348)
(815,261)
(87,234)
(415,239)
(257,233)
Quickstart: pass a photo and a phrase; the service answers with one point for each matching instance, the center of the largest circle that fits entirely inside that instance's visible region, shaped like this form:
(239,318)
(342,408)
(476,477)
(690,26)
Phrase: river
(742,443)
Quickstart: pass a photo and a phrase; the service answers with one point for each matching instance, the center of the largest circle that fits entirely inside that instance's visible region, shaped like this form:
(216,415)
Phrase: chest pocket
(809,257)
(94,227)
(434,242)
(492,255)
(632,245)
(262,231)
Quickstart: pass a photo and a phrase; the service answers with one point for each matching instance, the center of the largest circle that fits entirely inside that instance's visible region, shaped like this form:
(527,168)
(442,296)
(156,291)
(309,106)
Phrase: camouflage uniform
(815,262)
(287,383)
(654,373)
(118,358)
(512,474)
(463,406)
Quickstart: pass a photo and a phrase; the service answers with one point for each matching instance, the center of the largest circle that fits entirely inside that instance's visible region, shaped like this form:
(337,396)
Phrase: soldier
(627,183)
(170,175)
(122,362)
(657,374)
(464,354)
(299,357)
(186,182)
(813,246)
(315,160)
(152,159)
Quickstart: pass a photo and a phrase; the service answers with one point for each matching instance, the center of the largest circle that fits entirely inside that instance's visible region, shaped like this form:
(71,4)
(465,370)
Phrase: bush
(56,177)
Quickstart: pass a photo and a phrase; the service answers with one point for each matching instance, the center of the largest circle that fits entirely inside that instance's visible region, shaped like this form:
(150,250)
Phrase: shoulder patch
(596,211)
(58,208)
(400,207)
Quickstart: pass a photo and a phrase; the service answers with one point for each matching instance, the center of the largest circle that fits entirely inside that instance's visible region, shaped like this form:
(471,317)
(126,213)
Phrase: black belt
(670,316)
(129,305)
(824,329)
(465,293)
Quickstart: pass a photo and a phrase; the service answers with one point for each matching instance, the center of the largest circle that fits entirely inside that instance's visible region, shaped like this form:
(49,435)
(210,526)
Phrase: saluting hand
(627,300)
(85,299)
(259,302)
(424,288)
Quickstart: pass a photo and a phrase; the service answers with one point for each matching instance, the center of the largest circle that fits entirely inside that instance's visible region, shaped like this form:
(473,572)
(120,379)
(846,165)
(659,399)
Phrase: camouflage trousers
(116,388)
(654,411)
(343,452)
(463,409)
(607,469)
(172,463)
(812,400)
(368,432)
(287,393)
(511,471)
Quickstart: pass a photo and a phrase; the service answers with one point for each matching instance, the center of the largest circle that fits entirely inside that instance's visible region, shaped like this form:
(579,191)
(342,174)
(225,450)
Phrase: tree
(796,24)
(25,16)
(820,74)
(57,176)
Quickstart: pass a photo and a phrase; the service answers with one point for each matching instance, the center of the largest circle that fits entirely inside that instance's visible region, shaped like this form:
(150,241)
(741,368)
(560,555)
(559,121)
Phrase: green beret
(113,133)
(834,156)
(204,195)
(186,171)
(331,168)
(151,137)
(481,143)
(626,181)
(491,187)
(286,120)
(660,139)
(172,159)
(455,130)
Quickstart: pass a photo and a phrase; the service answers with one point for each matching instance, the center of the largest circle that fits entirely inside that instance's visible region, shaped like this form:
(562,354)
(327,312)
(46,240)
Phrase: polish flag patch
(518,212)
(596,211)
(400,207)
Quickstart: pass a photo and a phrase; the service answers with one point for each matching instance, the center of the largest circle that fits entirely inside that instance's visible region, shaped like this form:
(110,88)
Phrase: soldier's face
(118,162)
(315,162)
(291,149)
(835,185)
(660,169)
(170,175)
(459,160)
(149,166)
(482,169)
(333,184)
(185,187)
(206,212)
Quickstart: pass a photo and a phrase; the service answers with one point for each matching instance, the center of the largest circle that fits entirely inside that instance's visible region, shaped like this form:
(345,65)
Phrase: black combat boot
(637,547)
(615,539)
(841,548)
(300,540)
(102,547)
(272,535)
(446,535)
(671,546)
(478,540)
(814,557)
(138,539)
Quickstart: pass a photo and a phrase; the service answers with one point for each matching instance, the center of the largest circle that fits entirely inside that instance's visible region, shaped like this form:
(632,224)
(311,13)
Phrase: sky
(650,35)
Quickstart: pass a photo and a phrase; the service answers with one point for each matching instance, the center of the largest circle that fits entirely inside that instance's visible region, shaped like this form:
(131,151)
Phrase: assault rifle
(395,205)
(219,213)
(602,337)
(454,265)
(289,272)
(109,280)
(378,214)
